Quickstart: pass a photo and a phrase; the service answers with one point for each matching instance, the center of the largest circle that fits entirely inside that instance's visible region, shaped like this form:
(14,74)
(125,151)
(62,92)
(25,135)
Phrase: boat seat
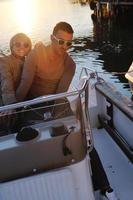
(20,158)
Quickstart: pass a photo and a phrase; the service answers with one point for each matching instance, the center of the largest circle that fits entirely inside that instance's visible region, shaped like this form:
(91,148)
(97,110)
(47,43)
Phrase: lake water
(104,49)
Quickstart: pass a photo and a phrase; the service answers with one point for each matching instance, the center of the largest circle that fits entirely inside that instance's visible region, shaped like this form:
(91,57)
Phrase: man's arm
(64,109)
(67,77)
(27,77)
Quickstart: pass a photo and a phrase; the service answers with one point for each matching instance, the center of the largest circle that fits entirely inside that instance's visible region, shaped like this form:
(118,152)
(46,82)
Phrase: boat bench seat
(44,152)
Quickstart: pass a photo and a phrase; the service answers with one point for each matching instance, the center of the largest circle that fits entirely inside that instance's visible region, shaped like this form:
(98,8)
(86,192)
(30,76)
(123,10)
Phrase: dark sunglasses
(21,44)
(62,42)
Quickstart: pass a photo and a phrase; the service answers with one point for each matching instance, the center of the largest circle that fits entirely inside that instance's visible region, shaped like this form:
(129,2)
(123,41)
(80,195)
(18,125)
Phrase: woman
(10,74)
(11,67)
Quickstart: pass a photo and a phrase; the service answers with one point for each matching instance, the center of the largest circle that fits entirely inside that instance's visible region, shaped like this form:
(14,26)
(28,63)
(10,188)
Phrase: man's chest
(50,70)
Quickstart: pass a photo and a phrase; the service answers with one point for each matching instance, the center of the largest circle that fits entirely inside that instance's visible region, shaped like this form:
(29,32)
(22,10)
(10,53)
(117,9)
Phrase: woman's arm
(7,84)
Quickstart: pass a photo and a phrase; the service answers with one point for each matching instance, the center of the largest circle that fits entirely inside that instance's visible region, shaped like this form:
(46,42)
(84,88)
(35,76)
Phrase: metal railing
(43,99)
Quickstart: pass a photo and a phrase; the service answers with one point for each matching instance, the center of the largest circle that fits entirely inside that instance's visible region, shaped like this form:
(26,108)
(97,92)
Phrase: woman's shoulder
(5,60)
(10,64)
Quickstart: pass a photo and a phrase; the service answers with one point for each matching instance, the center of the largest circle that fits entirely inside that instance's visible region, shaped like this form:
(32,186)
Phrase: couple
(46,70)
(27,74)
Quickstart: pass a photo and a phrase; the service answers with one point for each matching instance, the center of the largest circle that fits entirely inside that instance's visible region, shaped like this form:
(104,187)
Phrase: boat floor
(117,166)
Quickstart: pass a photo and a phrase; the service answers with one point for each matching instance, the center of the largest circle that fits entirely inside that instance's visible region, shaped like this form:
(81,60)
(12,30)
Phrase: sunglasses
(21,44)
(62,42)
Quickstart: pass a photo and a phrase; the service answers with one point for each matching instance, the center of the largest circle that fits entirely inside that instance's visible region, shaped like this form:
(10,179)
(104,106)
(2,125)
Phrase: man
(48,69)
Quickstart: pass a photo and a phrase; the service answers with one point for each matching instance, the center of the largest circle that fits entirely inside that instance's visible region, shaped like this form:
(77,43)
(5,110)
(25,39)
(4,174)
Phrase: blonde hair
(20,36)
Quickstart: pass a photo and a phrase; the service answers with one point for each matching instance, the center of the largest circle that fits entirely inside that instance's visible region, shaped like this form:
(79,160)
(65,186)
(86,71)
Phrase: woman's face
(20,48)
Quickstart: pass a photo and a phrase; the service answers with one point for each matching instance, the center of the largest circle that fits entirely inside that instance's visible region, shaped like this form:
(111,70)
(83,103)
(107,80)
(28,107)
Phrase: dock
(111,9)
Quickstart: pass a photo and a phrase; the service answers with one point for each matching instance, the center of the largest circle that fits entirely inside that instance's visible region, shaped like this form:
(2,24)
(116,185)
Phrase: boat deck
(117,166)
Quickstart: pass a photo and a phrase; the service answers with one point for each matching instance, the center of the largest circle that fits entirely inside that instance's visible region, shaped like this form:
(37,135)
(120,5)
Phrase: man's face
(61,42)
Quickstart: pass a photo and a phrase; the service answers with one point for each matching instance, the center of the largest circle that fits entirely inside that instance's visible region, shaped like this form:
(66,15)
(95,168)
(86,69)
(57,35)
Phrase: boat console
(41,144)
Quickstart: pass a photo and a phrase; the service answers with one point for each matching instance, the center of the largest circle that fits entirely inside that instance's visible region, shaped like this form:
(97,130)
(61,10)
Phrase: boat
(49,157)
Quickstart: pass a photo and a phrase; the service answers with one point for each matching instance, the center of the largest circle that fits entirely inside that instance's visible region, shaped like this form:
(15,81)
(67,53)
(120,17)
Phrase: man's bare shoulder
(39,51)
(36,51)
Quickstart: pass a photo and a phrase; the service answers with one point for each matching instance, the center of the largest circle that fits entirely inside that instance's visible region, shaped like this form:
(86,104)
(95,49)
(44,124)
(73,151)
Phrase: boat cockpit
(44,143)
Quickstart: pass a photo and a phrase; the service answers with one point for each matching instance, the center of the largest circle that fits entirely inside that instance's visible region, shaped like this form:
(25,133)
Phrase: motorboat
(45,144)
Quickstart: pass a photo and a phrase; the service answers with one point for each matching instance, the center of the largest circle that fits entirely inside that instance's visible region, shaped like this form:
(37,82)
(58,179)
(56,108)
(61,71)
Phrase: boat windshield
(43,110)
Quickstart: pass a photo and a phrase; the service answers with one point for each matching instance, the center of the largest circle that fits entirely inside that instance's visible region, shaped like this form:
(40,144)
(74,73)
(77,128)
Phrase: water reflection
(116,46)
(115,43)
(23,10)
(104,48)
(37,18)
(109,50)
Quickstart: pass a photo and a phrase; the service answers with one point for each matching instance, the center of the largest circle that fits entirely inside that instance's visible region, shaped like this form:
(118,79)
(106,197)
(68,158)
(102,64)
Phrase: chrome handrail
(44,98)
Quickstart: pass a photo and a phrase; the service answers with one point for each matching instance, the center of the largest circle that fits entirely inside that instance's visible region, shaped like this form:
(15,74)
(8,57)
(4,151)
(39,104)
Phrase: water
(104,49)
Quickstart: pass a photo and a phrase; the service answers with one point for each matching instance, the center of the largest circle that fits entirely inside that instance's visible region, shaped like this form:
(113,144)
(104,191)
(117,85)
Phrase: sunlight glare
(24,12)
